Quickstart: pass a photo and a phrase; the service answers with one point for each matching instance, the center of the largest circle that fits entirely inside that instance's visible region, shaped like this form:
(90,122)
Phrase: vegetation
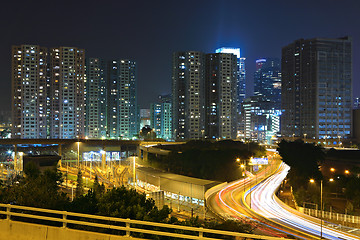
(304,160)
(208,160)
(42,190)
(147,133)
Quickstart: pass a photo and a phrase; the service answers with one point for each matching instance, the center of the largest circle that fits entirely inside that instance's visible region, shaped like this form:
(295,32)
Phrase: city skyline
(142,35)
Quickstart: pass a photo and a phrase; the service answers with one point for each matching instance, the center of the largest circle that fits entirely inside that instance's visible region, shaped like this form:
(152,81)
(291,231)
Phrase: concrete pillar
(145,155)
(138,150)
(103,158)
(60,153)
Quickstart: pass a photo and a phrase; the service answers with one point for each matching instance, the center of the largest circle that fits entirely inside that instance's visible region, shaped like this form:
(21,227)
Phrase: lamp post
(321,204)
(339,140)
(78,154)
(305,136)
(20,167)
(134,173)
(243,167)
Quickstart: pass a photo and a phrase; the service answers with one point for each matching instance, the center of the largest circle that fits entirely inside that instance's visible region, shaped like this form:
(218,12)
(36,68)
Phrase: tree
(31,170)
(147,133)
(304,160)
(79,191)
(36,189)
(97,188)
(123,203)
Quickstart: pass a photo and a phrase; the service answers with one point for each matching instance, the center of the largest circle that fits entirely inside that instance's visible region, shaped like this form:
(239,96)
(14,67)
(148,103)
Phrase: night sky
(150,31)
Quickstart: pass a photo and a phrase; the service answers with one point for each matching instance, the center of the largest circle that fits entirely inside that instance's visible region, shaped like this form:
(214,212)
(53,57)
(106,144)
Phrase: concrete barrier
(13,230)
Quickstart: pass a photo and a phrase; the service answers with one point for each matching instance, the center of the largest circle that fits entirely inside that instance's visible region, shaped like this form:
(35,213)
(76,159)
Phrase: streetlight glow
(321,204)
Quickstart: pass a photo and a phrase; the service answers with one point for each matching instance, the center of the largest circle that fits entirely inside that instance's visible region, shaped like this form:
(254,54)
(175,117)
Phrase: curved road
(253,198)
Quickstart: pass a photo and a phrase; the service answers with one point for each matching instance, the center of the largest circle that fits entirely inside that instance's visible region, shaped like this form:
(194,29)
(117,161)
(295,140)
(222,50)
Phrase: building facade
(67,97)
(241,73)
(317,88)
(161,117)
(267,80)
(123,112)
(261,119)
(145,117)
(29,75)
(188,77)
(221,96)
(96,99)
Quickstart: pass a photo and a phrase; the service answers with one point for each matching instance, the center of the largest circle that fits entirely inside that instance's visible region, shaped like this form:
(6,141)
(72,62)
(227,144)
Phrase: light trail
(233,202)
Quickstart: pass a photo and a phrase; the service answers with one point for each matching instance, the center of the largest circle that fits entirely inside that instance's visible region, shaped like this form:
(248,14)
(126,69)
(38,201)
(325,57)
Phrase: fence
(126,226)
(331,216)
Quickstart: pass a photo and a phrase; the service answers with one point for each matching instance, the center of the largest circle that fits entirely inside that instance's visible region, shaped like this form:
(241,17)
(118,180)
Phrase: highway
(253,198)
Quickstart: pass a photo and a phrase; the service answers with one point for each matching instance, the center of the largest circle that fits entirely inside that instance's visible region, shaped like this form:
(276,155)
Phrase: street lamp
(78,154)
(321,204)
(305,136)
(103,159)
(134,173)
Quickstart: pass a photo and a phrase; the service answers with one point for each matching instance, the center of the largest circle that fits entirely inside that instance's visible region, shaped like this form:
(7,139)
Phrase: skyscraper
(221,96)
(161,117)
(317,88)
(96,97)
(188,77)
(267,80)
(241,73)
(123,117)
(261,119)
(67,80)
(28,91)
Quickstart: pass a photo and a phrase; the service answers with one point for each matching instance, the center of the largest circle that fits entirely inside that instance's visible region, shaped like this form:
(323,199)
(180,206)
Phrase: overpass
(153,147)
(23,223)
(58,146)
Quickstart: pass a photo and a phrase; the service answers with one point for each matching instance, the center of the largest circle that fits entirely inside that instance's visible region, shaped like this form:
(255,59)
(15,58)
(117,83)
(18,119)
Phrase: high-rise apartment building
(241,73)
(267,80)
(221,96)
(188,77)
(96,97)
(67,84)
(28,91)
(123,117)
(161,117)
(317,88)
(261,119)
(145,117)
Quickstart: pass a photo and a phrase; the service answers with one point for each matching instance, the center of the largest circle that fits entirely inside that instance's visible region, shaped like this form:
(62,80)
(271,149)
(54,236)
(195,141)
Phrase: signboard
(258,161)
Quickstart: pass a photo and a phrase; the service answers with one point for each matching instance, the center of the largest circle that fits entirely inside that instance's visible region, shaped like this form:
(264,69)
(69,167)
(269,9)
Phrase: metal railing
(126,226)
(331,215)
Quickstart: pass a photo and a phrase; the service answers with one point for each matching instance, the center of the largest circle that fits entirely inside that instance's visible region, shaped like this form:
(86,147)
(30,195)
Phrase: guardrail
(331,215)
(127,227)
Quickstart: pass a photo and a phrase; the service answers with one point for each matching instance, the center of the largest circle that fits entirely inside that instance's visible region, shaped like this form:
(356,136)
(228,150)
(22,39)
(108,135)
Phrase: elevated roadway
(254,199)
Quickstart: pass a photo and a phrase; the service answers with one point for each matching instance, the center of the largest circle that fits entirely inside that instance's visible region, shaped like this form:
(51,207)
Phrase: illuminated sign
(235,51)
(258,161)
(97,156)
